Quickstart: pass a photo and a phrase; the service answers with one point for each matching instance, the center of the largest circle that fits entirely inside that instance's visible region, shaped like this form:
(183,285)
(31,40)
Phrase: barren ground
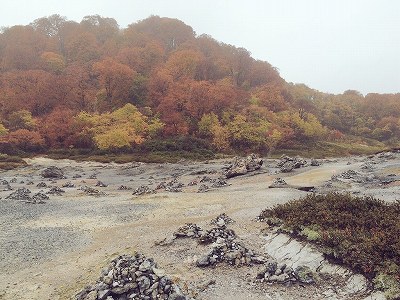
(52,250)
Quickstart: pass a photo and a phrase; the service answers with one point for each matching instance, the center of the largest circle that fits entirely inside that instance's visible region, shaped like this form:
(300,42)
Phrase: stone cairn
(53,172)
(24,194)
(224,247)
(287,163)
(132,277)
(241,166)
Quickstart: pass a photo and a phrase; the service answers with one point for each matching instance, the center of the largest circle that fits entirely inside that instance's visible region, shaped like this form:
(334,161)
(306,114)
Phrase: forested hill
(93,85)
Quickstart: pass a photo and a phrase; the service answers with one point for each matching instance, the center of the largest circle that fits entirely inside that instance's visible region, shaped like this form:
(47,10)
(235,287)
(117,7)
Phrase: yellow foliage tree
(120,129)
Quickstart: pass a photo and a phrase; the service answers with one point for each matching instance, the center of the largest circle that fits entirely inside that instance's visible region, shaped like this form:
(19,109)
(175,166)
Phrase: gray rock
(304,274)
(52,172)
(91,296)
(241,166)
(203,262)
(144,283)
(101,295)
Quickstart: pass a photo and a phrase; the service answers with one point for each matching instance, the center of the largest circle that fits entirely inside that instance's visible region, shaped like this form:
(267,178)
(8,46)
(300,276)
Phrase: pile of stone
(55,191)
(52,172)
(349,174)
(188,230)
(41,184)
(20,194)
(174,186)
(203,188)
(386,155)
(287,163)
(368,166)
(219,182)
(142,190)
(124,188)
(24,194)
(241,166)
(278,183)
(222,220)
(231,252)
(213,234)
(38,198)
(93,176)
(68,184)
(162,185)
(91,191)
(282,273)
(101,184)
(8,188)
(132,277)
(315,163)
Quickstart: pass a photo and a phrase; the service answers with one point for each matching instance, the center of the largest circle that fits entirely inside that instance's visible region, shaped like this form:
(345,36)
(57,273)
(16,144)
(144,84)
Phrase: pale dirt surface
(52,250)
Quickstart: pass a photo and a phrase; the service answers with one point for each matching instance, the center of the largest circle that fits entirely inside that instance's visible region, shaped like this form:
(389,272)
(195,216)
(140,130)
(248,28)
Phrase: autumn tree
(57,128)
(121,129)
(115,78)
(22,48)
(24,139)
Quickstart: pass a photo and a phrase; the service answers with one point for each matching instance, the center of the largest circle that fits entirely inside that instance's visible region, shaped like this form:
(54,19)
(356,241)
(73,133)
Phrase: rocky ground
(64,222)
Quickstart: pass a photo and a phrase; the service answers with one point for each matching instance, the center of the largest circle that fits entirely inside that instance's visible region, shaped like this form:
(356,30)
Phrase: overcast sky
(331,46)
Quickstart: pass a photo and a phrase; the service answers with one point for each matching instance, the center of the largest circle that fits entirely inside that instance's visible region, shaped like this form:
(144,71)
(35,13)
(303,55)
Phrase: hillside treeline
(94,85)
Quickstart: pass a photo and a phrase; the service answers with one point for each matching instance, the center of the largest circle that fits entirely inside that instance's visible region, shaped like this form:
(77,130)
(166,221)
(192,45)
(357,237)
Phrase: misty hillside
(93,85)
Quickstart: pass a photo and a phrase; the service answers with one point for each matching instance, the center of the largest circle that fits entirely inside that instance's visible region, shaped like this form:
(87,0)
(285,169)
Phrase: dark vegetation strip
(362,233)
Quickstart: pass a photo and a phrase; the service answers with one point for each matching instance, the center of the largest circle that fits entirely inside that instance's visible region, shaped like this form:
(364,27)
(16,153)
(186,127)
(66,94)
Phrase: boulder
(52,172)
(241,166)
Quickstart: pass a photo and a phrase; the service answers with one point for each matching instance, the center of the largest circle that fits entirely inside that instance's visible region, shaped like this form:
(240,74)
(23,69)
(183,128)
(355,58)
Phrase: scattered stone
(29,183)
(304,274)
(124,188)
(68,184)
(41,184)
(222,220)
(220,182)
(203,188)
(132,277)
(315,163)
(8,188)
(213,234)
(206,179)
(38,198)
(4,182)
(192,183)
(20,194)
(287,163)
(188,230)
(231,252)
(91,191)
(52,172)
(101,184)
(143,189)
(283,274)
(162,185)
(278,183)
(93,176)
(13,180)
(174,189)
(77,176)
(241,166)
(56,191)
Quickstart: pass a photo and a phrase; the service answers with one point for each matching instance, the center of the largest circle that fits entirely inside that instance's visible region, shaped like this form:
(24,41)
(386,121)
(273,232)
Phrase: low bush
(363,233)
